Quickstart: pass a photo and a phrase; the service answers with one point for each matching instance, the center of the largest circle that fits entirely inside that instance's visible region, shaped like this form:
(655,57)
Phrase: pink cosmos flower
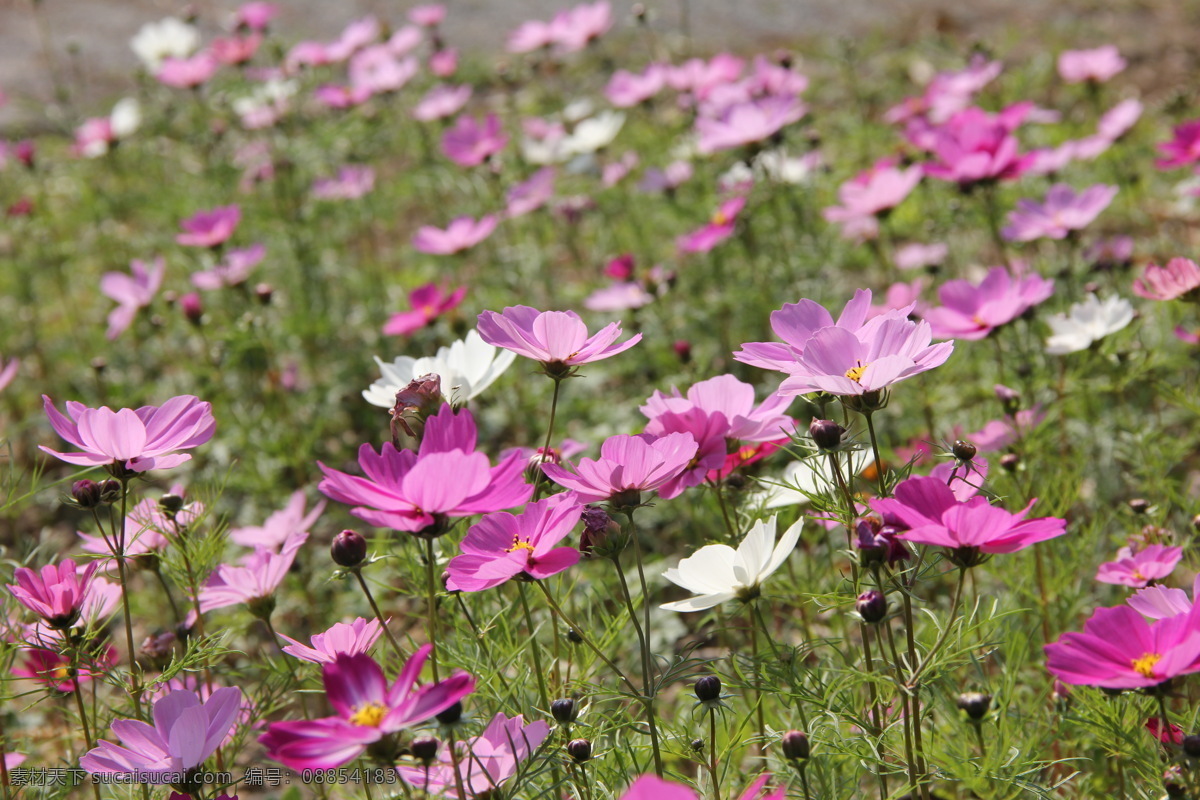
(427,16)
(367,711)
(1139,568)
(52,668)
(1179,278)
(485,762)
(184,734)
(1184,147)
(355,36)
(444,62)
(621,296)
(948,93)
(718,229)
(626,89)
(1062,213)
(502,546)
(234,50)
(745,123)
(234,270)
(132,292)
(1000,433)
(470,142)
(343,638)
(334,96)
(701,78)
(974,145)
(440,102)
(461,234)
(279,526)
(377,70)
(529,36)
(901,296)
(795,323)
(256,15)
(351,183)
(628,466)
(1117,121)
(1118,649)
(138,440)
(445,477)
(614,172)
(874,192)
(147,526)
(1160,602)
(428,303)
(8,372)
(531,194)
(187,73)
(558,339)
(574,29)
(210,228)
(56,594)
(667,179)
(1098,65)
(934,516)
(254,583)
(972,312)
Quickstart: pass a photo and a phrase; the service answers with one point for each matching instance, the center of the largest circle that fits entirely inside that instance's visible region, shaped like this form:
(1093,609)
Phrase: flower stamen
(369,715)
(1144,666)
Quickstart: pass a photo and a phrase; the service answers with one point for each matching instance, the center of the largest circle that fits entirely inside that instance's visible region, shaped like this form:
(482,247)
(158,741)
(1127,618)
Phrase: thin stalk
(378,614)
(431,608)
(979,739)
(533,647)
(874,697)
(804,782)
(909,756)
(712,754)
(587,641)
(648,657)
(870,415)
(135,689)
(541,476)
(758,698)
(958,587)
(487,654)
(647,701)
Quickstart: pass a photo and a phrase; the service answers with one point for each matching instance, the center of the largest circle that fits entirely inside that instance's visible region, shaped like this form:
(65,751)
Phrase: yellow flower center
(1144,666)
(61,674)
(369,715)
(519,545)
(719,218)
(855,373)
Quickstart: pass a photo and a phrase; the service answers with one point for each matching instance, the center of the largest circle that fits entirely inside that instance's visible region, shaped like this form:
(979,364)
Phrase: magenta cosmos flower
(440,102)
(1179,278)
(138,440)
(132,292)
(470,142)
(1139,569)
(718,229)
(485,762)
(747,122)
(933,515)
(368,710)
(1097,65)
(628,466)
(1184,147)
(502,546)
(461,234)
(874,192)
(56,593)
(52,668)
(1063,212)
(209,228)
(973,312)
(446,477)
(352,182)
(233,270)
(342,638)
(255,582)
(1119,649)
(184,734)
(558,339)
(795,323)
(973,146)
(428,303)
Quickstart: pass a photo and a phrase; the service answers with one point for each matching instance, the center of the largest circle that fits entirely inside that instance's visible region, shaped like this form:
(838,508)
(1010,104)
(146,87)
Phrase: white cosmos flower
(466,368)
(1087,323)
(802,479)
(594,133)
(126,118)
(717,572)
(170,37)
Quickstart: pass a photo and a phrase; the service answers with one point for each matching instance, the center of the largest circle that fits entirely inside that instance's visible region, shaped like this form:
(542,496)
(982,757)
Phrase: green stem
(586,640)
(135,689)
(545,454)
(647,701)
(431,608)
(533,647)
(870,415)
(712,754)
(378,614)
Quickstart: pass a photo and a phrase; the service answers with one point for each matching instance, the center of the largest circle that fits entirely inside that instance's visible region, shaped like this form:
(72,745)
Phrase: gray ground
(86,42)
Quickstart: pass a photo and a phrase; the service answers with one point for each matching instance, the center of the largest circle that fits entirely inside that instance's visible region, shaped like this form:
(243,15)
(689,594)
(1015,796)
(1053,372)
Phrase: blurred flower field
(602,420)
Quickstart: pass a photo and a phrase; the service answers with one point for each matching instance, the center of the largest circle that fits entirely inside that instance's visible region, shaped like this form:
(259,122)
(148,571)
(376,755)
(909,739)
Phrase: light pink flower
(502,545)
(718,229)
(795,323)
(948,93)
(377,71)
(256,15)
(558,339)
(973,312)
(745,123)
(626,89)
(444,62)
(146,529)
(1000,433)
(915,255)
(8,372)
(348,638)
(667,179)
(187,73)
(352,182)
(461,234)
(255,581)
(1117,121)
(470,142)
(1062,213)
(1139,568)
(132,292)
(531,194)
(56,593)
(441,101)
(355,36)
(628,466)
(209,228)
(233,270)
(901,296)
(1098,65)
(1179,278)
(485,762)
(621,296)
(529,36)
(874,192)
(974,145)
(701,78)
(234,50)
(427,16)
(405,40)
(138,440)
(574,29)
(428,303)
(279,526)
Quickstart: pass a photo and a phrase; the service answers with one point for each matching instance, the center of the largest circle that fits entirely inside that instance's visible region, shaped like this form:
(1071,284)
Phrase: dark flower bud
(683,349)
(708,688)
(826,433)
(24,151)
(86,493)
(1175,782)
(563,710)
(574,636)
(262,607)
(1009,398)
(976,704)
(160,646)
(192,307)
(698,745)
(964,450)
(1010,461)
(595,528)
(1191,745)
(639,12)
(872,606)
(580,750)
(171,504)
(1196,523)
(795,745)
(451,715)
(110,491)
(415,403)
(1138,505)
(349,549)
(533,468)
(264,292)
(425,748)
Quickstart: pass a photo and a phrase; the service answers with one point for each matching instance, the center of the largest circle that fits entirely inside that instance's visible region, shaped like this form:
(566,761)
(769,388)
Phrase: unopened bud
(595,529)
(451,715)
(683,349)
(414,404)
(872,606)
(1010,461)
(86,493)
(574,636)
(964,450)
(192,307)
(563,710)
(425,748)
(795,745)
(264,292)
(976,704)
(1138,505)
(826,433)
(110,491)
(349,548)
(580,750)
(171,504)
(708,688)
